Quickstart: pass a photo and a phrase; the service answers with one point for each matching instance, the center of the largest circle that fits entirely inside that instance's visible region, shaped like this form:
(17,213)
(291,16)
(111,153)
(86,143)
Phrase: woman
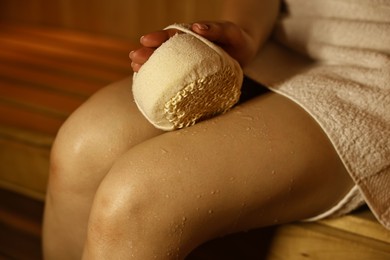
(119,188)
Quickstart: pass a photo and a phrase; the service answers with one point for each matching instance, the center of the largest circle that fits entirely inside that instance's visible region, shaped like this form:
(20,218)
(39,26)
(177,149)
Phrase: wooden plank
(24,168)
(40,99)
(21,42)
(73,68)
(20,227)
(17,116)
(115,45)
(65,79)
(26,136)
(16,244)
(316,241)
(362,223)
(70,41)
(128,19)
(51,80)
(86,55)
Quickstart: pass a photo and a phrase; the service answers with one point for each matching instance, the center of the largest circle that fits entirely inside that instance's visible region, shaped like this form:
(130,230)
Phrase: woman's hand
(149,43)
(235,41)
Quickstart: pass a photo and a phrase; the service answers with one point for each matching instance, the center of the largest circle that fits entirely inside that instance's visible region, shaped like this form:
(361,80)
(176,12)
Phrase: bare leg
(102,129)
(264,162)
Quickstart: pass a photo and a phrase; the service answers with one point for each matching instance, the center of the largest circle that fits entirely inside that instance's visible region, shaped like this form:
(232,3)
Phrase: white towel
(339,72)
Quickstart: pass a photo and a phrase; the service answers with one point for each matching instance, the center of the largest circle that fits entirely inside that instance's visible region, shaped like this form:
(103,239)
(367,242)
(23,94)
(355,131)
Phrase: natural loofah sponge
(186,80)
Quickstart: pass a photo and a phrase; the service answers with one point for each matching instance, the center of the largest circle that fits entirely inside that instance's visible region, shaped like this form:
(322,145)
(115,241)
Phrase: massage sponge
(186,80)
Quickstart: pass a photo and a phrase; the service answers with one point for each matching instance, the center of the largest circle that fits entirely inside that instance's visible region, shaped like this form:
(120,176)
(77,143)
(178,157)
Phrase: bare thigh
(264,162)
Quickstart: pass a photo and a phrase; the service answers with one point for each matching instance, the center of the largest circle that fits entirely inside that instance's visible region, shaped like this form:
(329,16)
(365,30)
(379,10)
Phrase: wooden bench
(46,73)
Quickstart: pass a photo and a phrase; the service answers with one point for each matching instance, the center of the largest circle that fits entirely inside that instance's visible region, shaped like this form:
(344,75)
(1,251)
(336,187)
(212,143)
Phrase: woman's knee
(71,158)
(139,205)
(128,196)
(96,134)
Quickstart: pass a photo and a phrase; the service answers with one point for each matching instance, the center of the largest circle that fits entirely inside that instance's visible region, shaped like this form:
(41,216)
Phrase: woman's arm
(255,17)
(244,27)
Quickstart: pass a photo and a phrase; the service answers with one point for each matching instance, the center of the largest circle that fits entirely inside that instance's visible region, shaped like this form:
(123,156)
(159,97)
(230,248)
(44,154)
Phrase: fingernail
(140,39)
(201,26)
(131,53)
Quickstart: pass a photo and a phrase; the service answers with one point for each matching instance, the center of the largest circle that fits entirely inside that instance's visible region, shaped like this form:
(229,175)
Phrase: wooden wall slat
(315,241)
(27,119)
(21,42)
(62,66)
(55,81)
(69,36)
(24,168)
(40,98)
(44,76)
(123,18)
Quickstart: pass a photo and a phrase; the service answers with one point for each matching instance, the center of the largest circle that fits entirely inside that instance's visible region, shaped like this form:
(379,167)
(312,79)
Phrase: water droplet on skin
(163,151)
(247,118)
(186,158)
(211,211)
(273,172)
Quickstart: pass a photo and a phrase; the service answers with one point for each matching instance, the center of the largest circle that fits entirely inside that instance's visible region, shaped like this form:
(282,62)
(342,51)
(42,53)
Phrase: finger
(135,66)
(141,55)
(155,39)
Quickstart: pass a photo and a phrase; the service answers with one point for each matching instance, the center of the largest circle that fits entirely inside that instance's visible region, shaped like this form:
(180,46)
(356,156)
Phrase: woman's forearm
(255,17)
